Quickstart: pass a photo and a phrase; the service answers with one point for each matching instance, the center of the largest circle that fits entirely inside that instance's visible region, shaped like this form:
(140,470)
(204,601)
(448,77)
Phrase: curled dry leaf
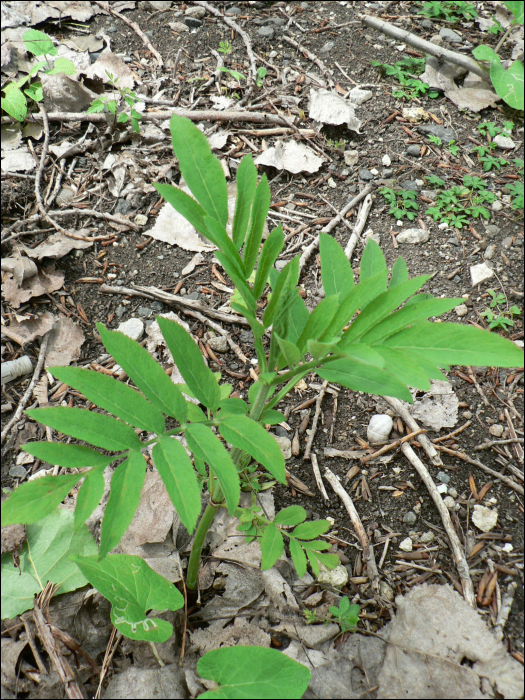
(21,267)
(327,107)
(47,280)
(58,245)
(291,156)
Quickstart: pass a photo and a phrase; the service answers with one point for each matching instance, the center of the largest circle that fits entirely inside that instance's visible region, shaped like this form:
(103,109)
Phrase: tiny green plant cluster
(499,315)
(38,44)
(406,72)
(344,614)
(450,11)
(372,336)
(129,97)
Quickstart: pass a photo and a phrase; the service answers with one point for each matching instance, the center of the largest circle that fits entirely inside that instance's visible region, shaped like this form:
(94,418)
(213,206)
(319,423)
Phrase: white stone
(442,488)
(141,220)
(484,518)
(413,235)
(335,578)
(519,343)
(219,344)
(427,537)
(480,273)
(497,206)
(178,26)
(374,171)
(195,11)
(379,428)
(134,328)
(449,502)
(406,545)
(286,446)
(351,157)
(496,430)
(504,142)
(461,310)
(386,160)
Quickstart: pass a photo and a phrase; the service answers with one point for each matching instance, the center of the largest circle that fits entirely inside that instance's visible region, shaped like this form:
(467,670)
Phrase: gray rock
(327,47)
(157,306)
(167,682)
(443,477)
(437,40)
(414,150)
(246,337)
(233,11)
(492,230)
(179,27)
(277,22)
(280,431)
(387,172)
(441,132)
(454,241)
(194,295)
(196,11)
(286,446)
(427,24)
(365,175)
(506,243)
(192,22)
(450,36)
(133,328)
(121,310)
(410,518)
(123,207)
(143,311)
(266,32)
(156,5)
(497,206)
(410,186)
(17,472)
(413,235)
(219,344)
(504,142)
(490,252)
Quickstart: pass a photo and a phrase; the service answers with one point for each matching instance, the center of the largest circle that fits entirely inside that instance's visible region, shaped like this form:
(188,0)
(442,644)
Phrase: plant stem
(192,577)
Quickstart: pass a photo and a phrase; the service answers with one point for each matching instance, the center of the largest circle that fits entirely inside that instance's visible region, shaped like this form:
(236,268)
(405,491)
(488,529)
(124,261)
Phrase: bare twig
(368,550)
(455,544)
(505,479)
(312,57)
(504,611)
(318,477)
(491,443)
(402,411)
(314,422)
(27,395)
(314,245)
(107,6)
(359,226)
(392,446)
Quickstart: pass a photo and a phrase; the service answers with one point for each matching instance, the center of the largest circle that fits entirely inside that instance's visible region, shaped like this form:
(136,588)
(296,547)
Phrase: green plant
(261,74)
(130,98)
(453,147)
(384,349)
(234,74)
(488,160)
(459,204)
(435,139)
(500,319)
(450,11)
(38,44)
(496,28)
(402,202)
(406,72)
(493,129)
(516,191)
(346,615)
(508,83)
(225,47)
(518,162)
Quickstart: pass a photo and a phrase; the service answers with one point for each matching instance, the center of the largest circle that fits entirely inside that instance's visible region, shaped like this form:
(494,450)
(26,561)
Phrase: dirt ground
(391,499)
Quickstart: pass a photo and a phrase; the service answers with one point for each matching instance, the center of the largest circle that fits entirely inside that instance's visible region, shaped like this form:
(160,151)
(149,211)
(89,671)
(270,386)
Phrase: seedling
(346,615)
(225,47)
(402,202)
(498,318)
(435,139)
(234,73)
(382,351)
(38,44)
(453,148)
(450,11)
(261,74)
(516,191)
(493,129)
(488,160)
(130,98)
(406,72)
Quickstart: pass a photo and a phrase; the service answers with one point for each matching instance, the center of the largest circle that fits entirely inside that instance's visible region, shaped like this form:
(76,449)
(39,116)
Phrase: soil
(383,493)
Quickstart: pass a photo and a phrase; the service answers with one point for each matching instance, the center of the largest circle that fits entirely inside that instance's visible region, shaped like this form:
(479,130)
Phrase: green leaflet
(250,436)
(185,205)
(336,271)
(381,306)
(373,261)
(269,254)
(361,353)
(417,308)
(298,557)
(261,205)
(97,429)
(310,530)
(238,280)
(361,295)
(286,281)
(70,456)
(37,499)
(451,343)
(320,319)
(360,377)
(320,350)
(200,169)
(297,317)
(401,367)
(234,406)
(292,515)
(89,496)
(147,374)
(113,396)
(133,588)
(180,480)
(246,184)
(272,546)
(207,447)
(271,417)
(188,358)
(124,498)
(399,273)
(224,243)
(291,352)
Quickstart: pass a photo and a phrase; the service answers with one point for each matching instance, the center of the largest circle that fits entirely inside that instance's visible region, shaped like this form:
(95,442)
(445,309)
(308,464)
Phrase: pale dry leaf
(62,93)
(291,156)
(26,331)
(328,107)
(473,98)
(108,62)
(46,281)
(438,408)
(65,340)
(58,245)
(40,391)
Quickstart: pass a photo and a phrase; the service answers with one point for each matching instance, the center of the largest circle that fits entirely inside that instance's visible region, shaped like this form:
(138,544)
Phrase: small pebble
(406,545)
(427,537)
(496,430)
(443,477)
(449,502)
(410,518)
(452,492)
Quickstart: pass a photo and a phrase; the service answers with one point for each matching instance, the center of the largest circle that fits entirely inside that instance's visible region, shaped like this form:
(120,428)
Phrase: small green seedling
(130,98)
(488,160)
(38,44)
(516,191)
(402,202)
(453,148)
(405,72)
(261,74)
(346,615)
(493,129)
(435,139)
(449,11)
(225,47)
(498,318)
